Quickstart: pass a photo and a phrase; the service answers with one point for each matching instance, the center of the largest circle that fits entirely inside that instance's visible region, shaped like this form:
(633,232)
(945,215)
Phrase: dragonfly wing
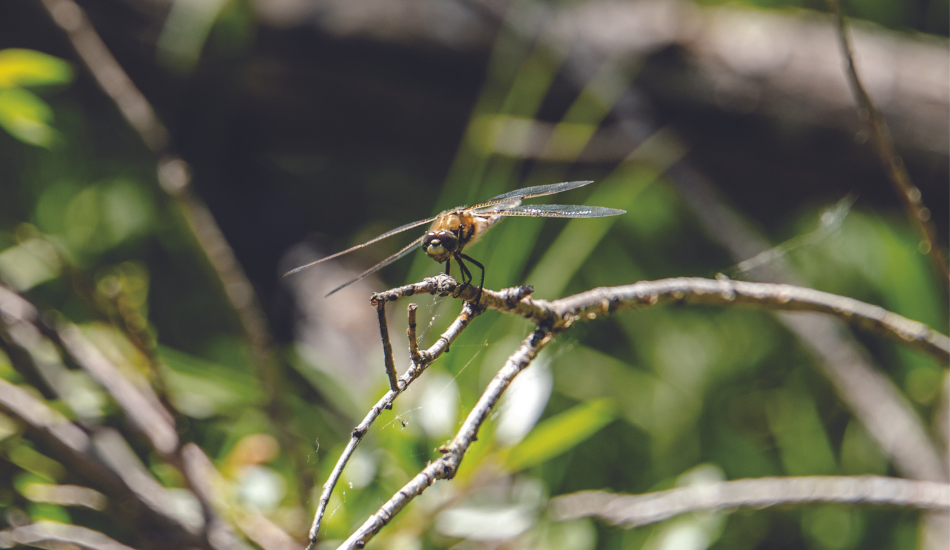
(531,192)
(560,211)
(378,238)
(495,207)
(409,248)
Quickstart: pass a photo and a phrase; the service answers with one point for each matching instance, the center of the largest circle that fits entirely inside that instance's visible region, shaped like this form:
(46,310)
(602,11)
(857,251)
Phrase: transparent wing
(409,248)
(531,192)
(560,211)
(359,246)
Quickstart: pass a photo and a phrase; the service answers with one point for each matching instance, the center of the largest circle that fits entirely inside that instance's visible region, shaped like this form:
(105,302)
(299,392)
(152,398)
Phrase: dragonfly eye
(441,245)
(449,240)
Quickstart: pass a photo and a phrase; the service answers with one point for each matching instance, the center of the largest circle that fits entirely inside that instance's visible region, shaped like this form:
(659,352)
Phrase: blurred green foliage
(646,400)
(22,113)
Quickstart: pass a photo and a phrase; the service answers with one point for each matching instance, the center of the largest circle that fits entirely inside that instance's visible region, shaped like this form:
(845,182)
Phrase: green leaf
(25,116)
(31,68)
(560,433)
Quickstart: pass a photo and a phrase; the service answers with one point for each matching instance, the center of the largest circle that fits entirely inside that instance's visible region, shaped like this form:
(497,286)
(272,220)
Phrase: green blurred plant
(23,113)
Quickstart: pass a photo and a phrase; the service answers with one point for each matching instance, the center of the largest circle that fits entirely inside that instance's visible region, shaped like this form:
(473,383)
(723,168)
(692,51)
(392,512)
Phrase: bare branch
(108,73)
(446,466)
(73,446)
(387,346)
(690,290)
(889,418)
(411,333)
(561,314)
(66,495)
(873,398)
(887,154)
(145,412)
(509,300)
(594,303)
(51,534)
(175,179)
(416,368)
(252,523)
(636,510)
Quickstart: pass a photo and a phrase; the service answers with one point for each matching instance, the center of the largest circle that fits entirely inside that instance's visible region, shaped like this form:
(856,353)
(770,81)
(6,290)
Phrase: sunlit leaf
(31,460)
(20,67)
(561,433)
(25,116)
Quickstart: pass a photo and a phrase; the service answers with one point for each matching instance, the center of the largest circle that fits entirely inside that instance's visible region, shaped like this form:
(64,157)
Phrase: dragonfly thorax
(450,232)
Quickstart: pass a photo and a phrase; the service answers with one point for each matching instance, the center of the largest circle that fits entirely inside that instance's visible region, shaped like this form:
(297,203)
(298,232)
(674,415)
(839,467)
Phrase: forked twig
(558,315)
(887,154)
(692,290)
(452,453)
(635,510)
(417,366)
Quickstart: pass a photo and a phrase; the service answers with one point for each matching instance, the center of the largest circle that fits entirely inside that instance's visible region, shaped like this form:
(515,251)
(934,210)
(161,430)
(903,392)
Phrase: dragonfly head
(441,245)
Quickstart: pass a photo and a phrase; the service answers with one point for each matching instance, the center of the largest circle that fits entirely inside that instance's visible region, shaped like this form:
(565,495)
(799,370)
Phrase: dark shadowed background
(308,127)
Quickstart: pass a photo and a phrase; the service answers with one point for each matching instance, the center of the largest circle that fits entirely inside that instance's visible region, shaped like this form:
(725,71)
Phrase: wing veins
(531,192)
(559,211)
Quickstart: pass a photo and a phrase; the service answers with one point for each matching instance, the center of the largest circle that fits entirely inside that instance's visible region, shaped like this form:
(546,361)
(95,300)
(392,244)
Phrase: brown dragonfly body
(454,229)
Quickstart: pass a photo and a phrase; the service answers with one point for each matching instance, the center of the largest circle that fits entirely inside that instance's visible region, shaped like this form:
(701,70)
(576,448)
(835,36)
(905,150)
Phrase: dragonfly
(455,229)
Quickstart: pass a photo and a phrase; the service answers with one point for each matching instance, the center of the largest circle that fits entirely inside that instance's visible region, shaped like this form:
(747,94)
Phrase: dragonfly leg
(481,284)
(466,276)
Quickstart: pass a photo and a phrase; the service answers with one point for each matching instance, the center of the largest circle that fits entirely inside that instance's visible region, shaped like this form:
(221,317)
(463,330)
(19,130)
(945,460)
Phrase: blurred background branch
(633,511)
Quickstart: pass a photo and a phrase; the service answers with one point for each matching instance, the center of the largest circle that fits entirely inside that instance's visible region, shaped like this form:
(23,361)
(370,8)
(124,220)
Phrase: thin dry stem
(446,466)
(411,332)
(52,534)
(118,464)
(692,290)
(553,317)
(175,179)
(416,368)
(387,347)
(635,510)
(887,154)
(73,446)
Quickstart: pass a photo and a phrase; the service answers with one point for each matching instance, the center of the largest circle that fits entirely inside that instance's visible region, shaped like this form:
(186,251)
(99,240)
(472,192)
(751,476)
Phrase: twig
(175,179)
(636,510)
(411,333)
(887,154)
(74,447)
(876,319)
(691,290)
(146,414)
(446,466)
(416,368)
(872,397)
(66,495)
(51,534)
(251,522)
(387,347)
(509,300)
(558,315)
